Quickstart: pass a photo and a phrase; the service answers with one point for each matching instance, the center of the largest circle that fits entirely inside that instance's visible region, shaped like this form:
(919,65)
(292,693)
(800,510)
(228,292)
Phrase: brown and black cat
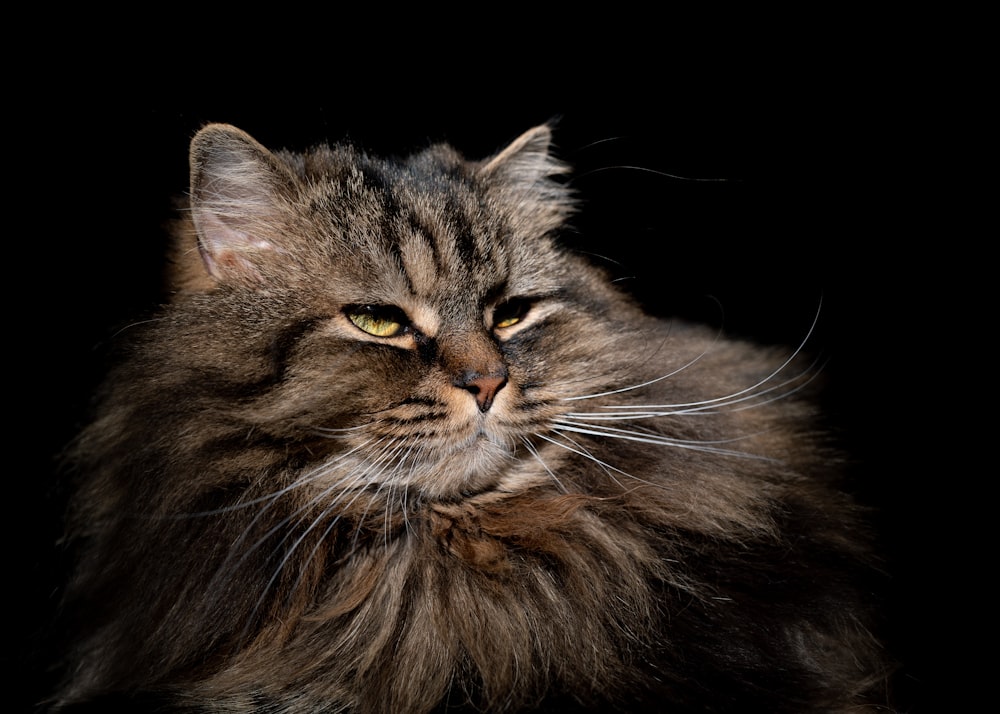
(392,446)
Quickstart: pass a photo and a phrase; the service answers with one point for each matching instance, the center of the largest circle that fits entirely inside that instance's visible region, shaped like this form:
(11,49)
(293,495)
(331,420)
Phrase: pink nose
(483,388)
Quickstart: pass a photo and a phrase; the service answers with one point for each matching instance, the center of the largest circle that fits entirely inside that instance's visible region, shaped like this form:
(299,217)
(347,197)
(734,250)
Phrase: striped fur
(392,447)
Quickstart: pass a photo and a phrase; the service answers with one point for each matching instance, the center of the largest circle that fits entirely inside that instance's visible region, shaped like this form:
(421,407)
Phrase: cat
(392,445)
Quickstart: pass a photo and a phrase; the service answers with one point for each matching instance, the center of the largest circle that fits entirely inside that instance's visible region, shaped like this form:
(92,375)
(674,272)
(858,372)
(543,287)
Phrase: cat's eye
(510,312)
(377,320)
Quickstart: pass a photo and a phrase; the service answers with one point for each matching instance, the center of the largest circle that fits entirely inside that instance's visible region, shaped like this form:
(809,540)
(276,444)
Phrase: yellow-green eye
(508,321)
(509,313)
(377,320)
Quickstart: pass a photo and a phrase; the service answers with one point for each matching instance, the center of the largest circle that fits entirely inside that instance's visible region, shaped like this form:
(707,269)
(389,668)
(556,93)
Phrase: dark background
(728,188)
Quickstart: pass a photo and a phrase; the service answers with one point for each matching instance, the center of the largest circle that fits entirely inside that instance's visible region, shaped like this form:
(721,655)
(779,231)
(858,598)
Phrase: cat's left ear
(527,159)
(522,175)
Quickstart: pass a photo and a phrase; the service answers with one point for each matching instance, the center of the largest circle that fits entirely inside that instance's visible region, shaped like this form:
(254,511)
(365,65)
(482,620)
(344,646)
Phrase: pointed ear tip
(535,140)
(542,132)
(217,127)
(215,132)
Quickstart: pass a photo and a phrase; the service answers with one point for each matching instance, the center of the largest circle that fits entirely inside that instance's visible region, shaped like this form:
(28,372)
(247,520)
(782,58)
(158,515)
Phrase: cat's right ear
(237,187)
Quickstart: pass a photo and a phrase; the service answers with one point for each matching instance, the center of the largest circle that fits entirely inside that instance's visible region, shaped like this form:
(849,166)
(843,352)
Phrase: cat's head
(418,313)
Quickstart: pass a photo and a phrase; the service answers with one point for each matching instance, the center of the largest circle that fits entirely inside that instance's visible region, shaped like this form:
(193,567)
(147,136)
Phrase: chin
(462,472)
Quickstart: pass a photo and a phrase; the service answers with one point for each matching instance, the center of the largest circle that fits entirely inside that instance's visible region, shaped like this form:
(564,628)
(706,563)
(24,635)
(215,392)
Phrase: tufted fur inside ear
(236,185)
(523,174)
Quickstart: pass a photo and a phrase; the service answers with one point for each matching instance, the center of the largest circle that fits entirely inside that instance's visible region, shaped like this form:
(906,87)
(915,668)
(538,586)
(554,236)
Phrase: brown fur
(280,511)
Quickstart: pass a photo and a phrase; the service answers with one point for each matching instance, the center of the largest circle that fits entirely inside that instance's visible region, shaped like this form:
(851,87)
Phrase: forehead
(426,232)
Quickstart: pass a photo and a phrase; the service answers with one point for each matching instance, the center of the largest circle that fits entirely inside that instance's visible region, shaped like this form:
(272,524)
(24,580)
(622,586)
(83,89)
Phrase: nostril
(483,387)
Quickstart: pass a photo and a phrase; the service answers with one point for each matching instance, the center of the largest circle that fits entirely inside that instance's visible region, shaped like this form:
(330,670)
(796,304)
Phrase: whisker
(337,431)
(367,474)
(382,484)
(659,439)
(583,453)
(304,479)
(754,390)
(588,454)
(748,398)
(655,172)
(538,457)
(385,454)
(346,484)
(640,385)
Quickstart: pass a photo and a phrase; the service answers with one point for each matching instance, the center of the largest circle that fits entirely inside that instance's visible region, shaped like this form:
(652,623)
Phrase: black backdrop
(733,194)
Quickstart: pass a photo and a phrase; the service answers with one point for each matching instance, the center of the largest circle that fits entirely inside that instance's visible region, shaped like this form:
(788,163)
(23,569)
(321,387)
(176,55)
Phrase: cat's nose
(483,387)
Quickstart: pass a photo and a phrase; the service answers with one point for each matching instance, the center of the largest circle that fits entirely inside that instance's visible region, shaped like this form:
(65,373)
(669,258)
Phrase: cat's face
(417,323)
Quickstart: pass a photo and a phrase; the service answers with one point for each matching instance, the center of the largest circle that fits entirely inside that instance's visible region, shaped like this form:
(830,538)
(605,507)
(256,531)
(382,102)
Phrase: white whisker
(738,401)
(304,479)
(386,454)
(658,439)
(346,484)
(586,454)
(338,431)
(638,386)
(538,457)
(580,449)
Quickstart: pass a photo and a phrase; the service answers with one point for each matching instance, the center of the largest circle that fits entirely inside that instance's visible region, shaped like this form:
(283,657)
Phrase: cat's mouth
(465,453)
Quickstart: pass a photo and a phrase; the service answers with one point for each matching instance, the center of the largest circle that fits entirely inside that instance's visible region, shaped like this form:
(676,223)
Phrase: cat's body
(392,448)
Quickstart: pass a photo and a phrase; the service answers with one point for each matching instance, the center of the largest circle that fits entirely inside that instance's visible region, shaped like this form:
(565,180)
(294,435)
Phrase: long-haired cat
(393,446)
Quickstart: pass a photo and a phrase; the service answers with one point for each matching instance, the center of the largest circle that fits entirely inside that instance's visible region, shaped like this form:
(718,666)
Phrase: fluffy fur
(392,447)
